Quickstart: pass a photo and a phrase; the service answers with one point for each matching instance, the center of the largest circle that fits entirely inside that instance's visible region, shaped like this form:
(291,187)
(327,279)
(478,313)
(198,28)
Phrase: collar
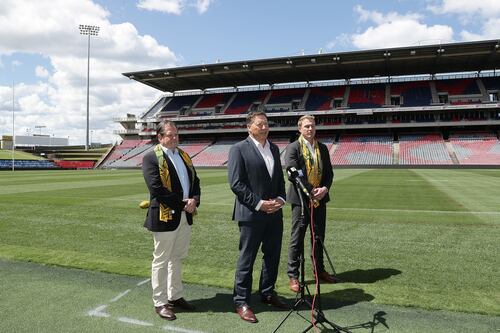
(169,152)
(257,143)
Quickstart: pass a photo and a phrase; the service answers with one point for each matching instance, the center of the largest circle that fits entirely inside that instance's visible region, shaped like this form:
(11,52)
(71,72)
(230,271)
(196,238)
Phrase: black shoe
(274,300)
(181,303)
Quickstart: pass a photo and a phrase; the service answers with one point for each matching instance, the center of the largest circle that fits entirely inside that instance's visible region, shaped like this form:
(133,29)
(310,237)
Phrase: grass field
(18,155)
(419,238)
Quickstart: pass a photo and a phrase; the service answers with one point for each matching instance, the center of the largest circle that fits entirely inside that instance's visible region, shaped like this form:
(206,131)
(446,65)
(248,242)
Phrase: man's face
(308,129)
(169,139)
(259,128)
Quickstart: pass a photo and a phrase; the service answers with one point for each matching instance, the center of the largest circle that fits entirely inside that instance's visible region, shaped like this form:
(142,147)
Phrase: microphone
(294,176)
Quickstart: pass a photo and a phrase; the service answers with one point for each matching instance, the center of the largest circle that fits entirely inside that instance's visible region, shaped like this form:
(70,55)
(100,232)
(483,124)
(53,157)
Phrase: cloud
(489,30)
(485,14)
(483,8)
(394,30)
(59,101)
(41,71)
(166,6)
(176,7)
(202,5)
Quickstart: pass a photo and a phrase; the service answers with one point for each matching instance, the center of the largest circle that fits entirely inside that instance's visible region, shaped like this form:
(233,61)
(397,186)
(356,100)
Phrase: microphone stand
(300,297)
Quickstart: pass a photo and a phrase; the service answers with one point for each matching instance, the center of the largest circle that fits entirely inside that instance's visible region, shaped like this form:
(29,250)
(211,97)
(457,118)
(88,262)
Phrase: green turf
(18,155)
(39,298)
(422,238)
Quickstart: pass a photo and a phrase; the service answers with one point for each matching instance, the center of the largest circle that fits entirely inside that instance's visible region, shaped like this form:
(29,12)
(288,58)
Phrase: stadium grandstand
(48,152)
(435,105)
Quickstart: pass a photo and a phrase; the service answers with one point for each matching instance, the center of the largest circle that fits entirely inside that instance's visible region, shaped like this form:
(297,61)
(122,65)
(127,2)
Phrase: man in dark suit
(256,178)
(312,159)
(174,195)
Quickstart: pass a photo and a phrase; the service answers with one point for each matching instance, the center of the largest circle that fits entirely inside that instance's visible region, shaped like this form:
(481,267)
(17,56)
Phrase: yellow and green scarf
(313,163)
(165,211)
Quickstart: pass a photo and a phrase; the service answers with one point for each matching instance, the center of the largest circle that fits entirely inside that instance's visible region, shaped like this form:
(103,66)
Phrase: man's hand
(319,193)
(271,206)
(190,206)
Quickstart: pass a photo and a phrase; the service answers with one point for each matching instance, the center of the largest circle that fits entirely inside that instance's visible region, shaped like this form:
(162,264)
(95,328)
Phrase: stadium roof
(429,59)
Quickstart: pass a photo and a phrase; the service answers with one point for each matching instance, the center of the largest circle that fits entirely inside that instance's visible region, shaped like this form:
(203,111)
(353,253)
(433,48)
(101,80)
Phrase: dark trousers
(299,227)
(252,235)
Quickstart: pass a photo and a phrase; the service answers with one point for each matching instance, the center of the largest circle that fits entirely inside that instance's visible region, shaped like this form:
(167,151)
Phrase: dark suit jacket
(294,158)
(250,181)
(159,194)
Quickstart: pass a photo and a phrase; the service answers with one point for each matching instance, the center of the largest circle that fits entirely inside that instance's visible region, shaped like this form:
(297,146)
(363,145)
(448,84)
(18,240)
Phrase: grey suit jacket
(294,158)
(250,181)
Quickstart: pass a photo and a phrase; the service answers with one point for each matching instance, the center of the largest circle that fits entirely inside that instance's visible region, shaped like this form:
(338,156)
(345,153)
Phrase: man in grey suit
(256,178)
(312,159)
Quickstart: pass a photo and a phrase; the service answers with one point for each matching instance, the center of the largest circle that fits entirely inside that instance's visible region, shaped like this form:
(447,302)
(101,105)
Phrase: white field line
(178,329)
(120,295)
(142,282)
(100,312)
(134,321)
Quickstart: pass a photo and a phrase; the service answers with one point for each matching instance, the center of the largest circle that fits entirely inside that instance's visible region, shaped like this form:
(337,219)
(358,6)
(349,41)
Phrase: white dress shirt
(267,155)
(180,168)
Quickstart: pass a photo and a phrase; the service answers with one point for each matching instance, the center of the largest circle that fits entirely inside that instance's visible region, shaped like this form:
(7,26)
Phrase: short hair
(160,128)
(308,116)
(251,116)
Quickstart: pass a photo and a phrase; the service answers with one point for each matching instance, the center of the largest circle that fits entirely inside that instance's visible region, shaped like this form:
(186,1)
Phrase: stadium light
(88,30)
(40,128)
(13,127)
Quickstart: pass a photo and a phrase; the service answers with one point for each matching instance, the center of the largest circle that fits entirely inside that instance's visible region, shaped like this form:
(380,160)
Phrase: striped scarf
(313,164)
(165,211)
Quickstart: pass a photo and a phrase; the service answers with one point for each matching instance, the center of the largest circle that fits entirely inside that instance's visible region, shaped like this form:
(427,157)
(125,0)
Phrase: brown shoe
(181,303)
(246,313)
(294,285)
(275,301)
(164,312)
(328,278)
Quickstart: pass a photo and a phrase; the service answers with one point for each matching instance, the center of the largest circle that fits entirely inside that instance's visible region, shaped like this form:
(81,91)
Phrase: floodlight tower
(88,30)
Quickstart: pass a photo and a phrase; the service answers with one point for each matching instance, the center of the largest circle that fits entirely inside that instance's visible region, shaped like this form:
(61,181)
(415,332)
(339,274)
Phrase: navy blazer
(294,158)
(250,181)
(159,194)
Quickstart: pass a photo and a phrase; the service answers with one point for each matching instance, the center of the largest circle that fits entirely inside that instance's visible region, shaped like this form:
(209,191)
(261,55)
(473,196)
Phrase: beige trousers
(170,248)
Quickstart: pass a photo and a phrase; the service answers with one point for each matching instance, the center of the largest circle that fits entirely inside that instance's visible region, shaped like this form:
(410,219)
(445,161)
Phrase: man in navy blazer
(174,195)
(256,178)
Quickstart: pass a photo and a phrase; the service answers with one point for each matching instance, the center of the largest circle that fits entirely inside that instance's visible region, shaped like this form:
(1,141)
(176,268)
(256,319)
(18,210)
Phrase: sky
(43,57)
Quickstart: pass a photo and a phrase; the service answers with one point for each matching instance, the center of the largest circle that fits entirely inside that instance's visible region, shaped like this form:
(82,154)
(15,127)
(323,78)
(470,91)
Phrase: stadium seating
(195,147)
(176,103)
(244,100)
(212,100)
(282,144)
(72,164)
(458,86)
(281,96)
(491,83)
(119,152)
(363,150)
(423,149)
(156,107)
(281,100)
(476,148)
(27,164)
(417,93)
(214,155)
(320,98)
(366,96)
